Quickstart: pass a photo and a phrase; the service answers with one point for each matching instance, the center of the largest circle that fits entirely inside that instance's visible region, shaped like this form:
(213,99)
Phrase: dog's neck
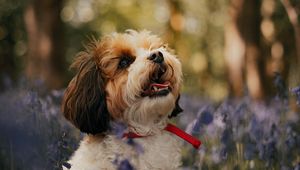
(149,116)
(151,128)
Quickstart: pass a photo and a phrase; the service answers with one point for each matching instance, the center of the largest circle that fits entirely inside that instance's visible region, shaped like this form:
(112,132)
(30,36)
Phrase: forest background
(231,50)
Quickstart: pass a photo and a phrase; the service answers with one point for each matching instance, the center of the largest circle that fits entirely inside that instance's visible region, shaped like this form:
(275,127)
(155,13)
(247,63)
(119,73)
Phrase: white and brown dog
(132,78)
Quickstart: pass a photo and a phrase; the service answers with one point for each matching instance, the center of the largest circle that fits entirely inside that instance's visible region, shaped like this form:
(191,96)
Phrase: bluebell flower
(137,147)
(227,137)
(290,142)
(255,130)
(224,153)
(125,165)
(279,83)
(118,128)
(297,167)
(206,117)
(250,151)
(296,92)
(197,126)
(269,152)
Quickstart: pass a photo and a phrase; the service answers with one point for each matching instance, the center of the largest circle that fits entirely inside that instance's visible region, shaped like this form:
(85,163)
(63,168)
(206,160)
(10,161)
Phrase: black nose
(156,57)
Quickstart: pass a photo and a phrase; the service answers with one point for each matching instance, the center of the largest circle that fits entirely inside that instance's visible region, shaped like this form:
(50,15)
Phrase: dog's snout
(156,57)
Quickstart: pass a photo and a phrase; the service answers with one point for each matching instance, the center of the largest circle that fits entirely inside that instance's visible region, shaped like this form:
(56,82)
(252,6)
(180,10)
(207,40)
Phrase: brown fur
(96,93)
(84,100)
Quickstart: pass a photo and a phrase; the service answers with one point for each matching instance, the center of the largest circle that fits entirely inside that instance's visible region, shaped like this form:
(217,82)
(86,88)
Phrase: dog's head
(133,77)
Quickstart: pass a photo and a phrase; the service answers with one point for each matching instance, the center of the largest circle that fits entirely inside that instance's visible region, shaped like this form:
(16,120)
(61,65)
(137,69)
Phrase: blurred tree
(249,26)
(245,62)
(12,41)
(45,59)
(293,17)
(259,39)
(234,49)
(292,9)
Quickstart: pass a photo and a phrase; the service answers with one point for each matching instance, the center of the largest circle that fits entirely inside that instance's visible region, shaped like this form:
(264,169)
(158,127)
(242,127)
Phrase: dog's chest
(152,152)
(159,152)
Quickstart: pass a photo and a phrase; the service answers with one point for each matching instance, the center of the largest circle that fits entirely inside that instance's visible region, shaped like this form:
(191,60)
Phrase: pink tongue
(166,84)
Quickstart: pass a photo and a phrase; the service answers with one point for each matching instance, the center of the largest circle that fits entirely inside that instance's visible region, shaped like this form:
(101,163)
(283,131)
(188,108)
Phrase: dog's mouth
(158,85)
(157,89)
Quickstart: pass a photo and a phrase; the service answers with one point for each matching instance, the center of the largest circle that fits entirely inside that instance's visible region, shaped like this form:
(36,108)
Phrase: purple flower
(206,117)
(137,147)
(250,150)
(224,153)
(118,129)
(296,92)
(279,83)
(227,138)
(196,127)
(290,142)
(268,152)
(125,165)
(255,130)
(297,167)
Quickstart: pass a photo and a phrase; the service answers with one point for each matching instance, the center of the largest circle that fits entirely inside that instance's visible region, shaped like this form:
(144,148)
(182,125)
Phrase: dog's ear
(177,109)
(84,102)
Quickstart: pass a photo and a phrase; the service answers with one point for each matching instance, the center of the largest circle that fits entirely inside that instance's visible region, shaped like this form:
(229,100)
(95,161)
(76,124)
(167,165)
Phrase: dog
(133,78)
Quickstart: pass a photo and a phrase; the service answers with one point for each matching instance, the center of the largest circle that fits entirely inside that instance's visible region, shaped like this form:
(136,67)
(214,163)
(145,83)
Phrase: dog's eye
(125,62)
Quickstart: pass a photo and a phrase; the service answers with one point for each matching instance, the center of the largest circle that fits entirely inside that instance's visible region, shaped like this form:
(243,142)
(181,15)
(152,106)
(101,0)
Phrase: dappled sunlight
(187,32)
(198,62)
(275,64)
(267,29)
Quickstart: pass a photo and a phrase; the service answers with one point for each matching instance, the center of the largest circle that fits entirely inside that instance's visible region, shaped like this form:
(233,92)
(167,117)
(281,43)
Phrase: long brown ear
(177,109)
(84,102)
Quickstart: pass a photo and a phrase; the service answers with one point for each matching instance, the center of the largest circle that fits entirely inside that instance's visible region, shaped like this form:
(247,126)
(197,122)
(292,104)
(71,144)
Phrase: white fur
(160,152)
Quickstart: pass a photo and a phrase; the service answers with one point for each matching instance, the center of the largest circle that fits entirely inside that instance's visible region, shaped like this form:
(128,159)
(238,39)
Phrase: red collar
(173,129)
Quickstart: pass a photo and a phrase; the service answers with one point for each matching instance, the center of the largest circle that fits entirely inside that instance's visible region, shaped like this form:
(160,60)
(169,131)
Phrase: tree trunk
(242,49)
(234,50)
(293,17)
(249,26)
(45,60)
